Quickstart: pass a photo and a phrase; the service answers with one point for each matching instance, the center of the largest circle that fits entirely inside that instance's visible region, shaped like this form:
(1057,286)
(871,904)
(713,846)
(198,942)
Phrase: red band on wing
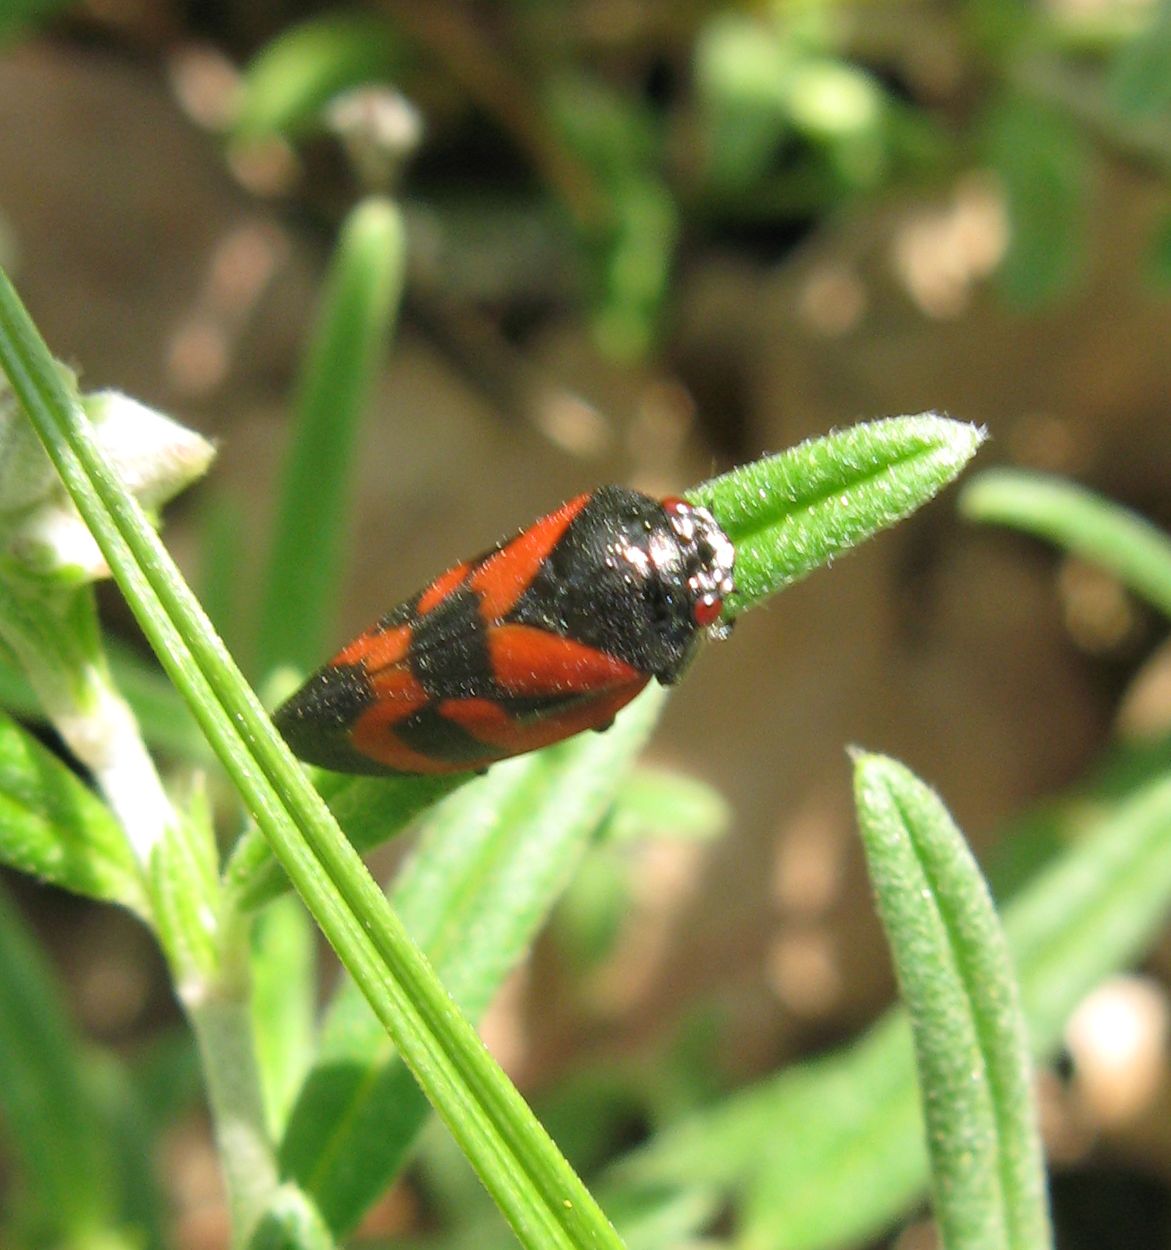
(504,576)
(400,689)
(376,740)
(503,736)
(376,649)
(397,695)
(529,661)
(441,587)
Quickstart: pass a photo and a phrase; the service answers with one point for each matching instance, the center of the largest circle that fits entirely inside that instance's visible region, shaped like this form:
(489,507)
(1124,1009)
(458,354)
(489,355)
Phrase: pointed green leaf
(786,514)
(791,512)
(284,993)
(185,890)
(958,985)
(832,1151)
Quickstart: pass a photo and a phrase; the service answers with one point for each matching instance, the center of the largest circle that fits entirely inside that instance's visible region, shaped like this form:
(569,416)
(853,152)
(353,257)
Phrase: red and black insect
(549,633)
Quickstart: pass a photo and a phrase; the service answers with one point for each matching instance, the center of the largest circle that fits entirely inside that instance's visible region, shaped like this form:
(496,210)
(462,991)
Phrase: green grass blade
(55,828)
(225,568)
(490,863)
(958,985)
(796,510)
(52,1124)
(361,298)
(1080,522)
(520,1167)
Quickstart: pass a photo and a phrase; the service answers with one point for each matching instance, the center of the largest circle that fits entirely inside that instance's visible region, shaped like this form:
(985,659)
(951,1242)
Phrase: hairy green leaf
(793,511)
(54,828)
(832,1151)
(958,985)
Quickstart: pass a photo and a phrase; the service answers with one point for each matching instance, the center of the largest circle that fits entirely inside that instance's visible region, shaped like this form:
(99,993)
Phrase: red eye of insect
(707,611)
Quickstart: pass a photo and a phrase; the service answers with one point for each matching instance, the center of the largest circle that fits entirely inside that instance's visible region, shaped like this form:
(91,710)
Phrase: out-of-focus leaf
(1041,158)
(1078,521)
(1158,266)
(742,71)
(1140,75)
(629,246)
(17,15)
(291,1223)
(305,66)
(658,803)
(589,917)
(357,316)
(225,567)
(52,1122)
(371,810)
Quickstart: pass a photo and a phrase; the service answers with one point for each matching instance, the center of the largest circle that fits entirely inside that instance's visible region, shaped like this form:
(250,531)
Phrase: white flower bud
(39,526)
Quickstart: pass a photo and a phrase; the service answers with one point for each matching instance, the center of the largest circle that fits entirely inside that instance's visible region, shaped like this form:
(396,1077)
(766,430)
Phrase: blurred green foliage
(718,118)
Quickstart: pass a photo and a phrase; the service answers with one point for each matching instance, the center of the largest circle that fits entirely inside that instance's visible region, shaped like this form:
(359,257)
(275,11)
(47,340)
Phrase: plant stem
(223,1029)
(106,738)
